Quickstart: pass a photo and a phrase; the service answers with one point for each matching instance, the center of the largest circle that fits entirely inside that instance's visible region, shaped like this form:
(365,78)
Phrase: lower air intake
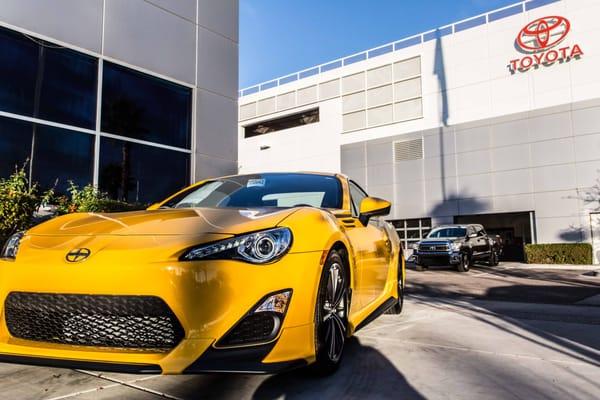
(132,322)
(254,328)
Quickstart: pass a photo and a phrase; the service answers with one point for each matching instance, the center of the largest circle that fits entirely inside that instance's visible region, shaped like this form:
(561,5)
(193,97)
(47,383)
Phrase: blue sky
(278,37)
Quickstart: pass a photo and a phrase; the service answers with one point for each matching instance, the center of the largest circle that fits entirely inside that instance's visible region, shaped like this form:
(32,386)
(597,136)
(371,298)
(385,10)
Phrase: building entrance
(515,230)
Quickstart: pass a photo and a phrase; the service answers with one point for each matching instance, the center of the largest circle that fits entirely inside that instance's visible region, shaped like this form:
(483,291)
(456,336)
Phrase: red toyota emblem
(543,33)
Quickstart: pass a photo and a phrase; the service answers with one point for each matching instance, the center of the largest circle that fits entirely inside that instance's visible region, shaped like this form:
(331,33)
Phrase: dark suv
(457,245)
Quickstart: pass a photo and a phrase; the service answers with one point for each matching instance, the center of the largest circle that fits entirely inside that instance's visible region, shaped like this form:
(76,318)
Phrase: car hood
(441,240)
(197,221)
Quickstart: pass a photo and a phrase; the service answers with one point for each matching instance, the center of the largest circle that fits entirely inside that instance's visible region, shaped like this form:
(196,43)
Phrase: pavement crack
(130,384)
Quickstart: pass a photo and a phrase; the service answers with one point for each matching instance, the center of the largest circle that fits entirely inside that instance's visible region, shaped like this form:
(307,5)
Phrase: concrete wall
(193,42)
(545,161)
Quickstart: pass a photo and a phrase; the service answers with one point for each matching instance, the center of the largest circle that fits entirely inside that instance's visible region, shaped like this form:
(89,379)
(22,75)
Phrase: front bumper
(437,258)
(208,298)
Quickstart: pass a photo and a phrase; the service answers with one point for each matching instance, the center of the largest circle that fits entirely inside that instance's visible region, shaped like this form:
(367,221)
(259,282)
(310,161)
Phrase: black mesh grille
(254,328)
(137,322)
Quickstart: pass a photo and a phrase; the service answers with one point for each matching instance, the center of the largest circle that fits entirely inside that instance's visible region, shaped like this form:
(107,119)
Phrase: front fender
(318,230)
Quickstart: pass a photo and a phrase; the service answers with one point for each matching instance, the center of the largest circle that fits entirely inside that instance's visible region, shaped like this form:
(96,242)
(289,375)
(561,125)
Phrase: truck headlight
(456,246)
(258,247)
(11,247)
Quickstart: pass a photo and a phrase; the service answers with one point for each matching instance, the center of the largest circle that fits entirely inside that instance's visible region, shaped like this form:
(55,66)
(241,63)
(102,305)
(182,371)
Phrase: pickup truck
(457,245)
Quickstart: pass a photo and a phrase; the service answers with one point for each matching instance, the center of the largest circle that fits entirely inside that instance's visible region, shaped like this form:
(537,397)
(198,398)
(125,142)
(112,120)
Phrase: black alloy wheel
(331,315)
(397,307)
(465,263)
(494,259)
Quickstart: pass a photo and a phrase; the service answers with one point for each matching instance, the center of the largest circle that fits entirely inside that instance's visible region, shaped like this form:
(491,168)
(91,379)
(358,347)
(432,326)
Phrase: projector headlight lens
(11,247)
(258,248)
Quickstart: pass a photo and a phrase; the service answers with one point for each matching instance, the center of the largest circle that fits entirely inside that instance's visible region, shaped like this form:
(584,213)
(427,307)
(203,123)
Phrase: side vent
(408,150)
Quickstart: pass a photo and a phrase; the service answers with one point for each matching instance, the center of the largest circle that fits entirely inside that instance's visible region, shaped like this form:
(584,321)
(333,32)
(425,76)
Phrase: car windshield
(447,233)
(263,190)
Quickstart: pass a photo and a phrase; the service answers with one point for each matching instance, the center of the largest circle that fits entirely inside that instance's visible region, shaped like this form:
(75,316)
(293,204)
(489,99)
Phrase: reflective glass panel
(144,107)
(139,173)
(15,145)
(62,155)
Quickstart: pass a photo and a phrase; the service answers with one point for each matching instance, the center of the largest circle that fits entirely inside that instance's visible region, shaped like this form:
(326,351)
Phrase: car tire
(420,267)
(465,263)
(397,307)
(494,259)
(331,315)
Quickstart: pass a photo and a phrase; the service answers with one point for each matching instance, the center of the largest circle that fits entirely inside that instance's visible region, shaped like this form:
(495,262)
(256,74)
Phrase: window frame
(424,227)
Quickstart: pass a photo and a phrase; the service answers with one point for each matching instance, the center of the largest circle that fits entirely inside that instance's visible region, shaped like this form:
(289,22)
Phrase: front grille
(254,328)
(433,247)
(134,322)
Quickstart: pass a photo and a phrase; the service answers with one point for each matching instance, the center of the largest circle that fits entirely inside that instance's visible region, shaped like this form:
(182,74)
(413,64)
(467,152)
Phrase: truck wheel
(494,259)
(464,264)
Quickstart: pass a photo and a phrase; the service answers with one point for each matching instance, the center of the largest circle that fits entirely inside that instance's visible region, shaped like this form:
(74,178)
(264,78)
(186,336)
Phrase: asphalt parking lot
(501,333)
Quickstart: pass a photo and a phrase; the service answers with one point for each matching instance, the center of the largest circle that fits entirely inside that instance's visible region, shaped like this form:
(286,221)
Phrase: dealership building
(494,119)
(138,97)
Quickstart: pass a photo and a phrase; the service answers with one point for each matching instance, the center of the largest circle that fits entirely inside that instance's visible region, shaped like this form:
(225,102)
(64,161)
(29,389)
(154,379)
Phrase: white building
(136,96)
(443,126)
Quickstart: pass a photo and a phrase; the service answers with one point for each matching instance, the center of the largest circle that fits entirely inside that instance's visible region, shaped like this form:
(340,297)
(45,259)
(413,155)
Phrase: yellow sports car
(248,273)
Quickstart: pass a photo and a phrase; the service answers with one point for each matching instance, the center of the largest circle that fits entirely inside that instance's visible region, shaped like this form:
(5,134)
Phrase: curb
(558,267)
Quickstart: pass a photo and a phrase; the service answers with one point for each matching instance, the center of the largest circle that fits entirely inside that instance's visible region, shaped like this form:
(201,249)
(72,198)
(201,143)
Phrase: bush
(18,202)
(91,199)
(559,253)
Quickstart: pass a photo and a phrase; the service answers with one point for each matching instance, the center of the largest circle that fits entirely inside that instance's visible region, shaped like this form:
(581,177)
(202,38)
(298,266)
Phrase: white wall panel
(353,83)
(379,76)
(329,89)
(407,68)
(72,21)
(380,95)
(131,34)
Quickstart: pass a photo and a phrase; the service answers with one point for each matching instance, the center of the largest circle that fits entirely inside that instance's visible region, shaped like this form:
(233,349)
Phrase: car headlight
(11,247)
(415,246)
(456,246)
(258,247)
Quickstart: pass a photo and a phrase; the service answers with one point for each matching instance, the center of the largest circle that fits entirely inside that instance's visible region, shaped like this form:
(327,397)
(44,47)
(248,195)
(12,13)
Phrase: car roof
(332,174)
(458,226)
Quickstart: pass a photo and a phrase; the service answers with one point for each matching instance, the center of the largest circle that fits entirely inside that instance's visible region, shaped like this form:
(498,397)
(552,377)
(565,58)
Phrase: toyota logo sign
(539,40)
(543,33)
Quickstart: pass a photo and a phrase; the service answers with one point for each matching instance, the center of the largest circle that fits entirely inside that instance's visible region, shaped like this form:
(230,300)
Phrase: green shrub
(18,202)
(559,253)
(91,199)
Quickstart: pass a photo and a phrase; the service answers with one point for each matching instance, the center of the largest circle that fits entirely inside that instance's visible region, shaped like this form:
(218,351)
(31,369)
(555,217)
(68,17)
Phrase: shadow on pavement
(365,373)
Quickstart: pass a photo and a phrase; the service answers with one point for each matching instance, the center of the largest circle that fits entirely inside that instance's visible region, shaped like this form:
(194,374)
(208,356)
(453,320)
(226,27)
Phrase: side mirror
(371,207)
(154,206)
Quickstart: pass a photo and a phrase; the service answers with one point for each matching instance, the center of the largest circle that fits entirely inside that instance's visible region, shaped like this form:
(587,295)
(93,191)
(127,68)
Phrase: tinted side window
(144,107)
(356,196)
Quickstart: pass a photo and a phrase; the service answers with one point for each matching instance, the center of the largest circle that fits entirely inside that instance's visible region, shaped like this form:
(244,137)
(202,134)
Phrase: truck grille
(134,322)
(434,247)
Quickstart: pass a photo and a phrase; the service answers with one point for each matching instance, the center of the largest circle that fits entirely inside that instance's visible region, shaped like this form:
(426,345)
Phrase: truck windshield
(263,190)
(447,233)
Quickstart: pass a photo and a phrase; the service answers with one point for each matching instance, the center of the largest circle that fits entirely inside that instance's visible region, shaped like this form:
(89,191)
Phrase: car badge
(77,255)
